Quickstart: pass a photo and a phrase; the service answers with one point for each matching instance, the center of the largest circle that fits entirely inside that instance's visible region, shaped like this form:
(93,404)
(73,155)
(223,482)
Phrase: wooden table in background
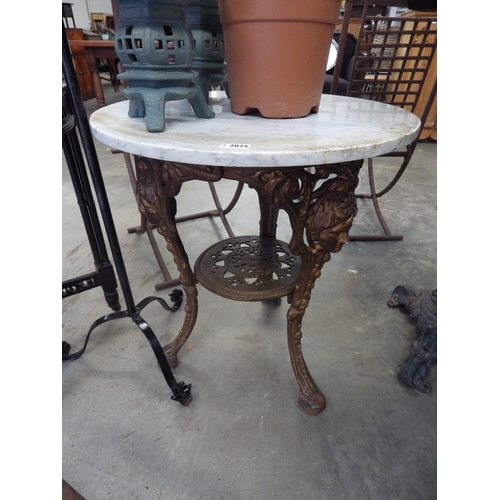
(94,50)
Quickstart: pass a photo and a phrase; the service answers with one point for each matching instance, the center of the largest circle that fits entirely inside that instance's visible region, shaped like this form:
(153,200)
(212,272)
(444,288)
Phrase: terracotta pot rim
(279,20)
(321,11)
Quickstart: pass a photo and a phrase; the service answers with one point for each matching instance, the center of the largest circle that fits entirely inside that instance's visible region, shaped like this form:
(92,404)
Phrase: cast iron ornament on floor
(423,353)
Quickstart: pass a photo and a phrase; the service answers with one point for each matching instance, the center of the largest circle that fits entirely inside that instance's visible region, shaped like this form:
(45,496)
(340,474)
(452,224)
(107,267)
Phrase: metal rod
(181,391)
(95,171)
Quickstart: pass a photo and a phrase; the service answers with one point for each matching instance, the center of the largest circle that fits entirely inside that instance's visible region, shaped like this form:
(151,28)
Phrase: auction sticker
(234,146)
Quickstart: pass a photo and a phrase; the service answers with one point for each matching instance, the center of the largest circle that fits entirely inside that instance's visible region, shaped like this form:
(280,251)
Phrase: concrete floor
(243,436)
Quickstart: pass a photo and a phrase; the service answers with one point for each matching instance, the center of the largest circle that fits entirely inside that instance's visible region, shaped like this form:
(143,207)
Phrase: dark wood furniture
(81,65)
(95,50)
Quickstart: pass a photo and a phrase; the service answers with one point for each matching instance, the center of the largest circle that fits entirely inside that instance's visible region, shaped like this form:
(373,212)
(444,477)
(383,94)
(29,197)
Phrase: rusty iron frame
(391,65)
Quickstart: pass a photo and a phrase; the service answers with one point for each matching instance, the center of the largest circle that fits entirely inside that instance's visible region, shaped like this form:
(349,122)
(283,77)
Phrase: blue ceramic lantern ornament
(156,48)
(209,53)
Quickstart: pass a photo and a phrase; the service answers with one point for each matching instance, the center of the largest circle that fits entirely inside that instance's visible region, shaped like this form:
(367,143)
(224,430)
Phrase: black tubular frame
(181,391)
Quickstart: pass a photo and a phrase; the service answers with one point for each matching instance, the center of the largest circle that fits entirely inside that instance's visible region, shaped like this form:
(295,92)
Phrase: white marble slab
(343,129)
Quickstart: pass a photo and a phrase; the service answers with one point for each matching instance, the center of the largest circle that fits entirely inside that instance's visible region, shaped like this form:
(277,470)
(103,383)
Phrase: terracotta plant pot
(277,53)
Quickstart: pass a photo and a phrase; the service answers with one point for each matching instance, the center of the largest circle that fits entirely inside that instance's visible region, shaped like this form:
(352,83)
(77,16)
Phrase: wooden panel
(81,65)
(429,128)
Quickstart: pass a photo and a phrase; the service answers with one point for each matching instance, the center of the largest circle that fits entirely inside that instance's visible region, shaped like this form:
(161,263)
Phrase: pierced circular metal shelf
(248,268)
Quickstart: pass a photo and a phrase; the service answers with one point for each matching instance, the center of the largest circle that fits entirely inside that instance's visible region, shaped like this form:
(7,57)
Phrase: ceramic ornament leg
(136,106)
(199,104)
(150,103)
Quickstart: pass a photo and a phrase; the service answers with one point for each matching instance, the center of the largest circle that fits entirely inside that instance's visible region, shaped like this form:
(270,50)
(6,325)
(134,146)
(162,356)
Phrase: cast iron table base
(320,219)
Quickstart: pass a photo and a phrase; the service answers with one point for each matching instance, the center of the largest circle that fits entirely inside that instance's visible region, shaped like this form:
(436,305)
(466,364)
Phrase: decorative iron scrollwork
(321,206)
(324,215)
(248,268)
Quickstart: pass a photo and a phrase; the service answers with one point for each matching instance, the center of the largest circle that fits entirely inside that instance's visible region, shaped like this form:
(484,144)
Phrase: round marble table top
(343,129)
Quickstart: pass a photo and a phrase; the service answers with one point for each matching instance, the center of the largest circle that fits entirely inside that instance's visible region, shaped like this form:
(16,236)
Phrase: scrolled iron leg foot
(191,313)
(182,393)
(311,400)
(188,280)
(312,403)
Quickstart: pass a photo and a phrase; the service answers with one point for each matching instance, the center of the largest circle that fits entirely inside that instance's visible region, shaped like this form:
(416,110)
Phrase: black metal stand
(105,275)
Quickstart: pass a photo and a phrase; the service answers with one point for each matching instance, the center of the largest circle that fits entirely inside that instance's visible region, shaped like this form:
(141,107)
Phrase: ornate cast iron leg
(268,218)
(320,220)
(186,275)
(158,182)
(324,216)
(311,399)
